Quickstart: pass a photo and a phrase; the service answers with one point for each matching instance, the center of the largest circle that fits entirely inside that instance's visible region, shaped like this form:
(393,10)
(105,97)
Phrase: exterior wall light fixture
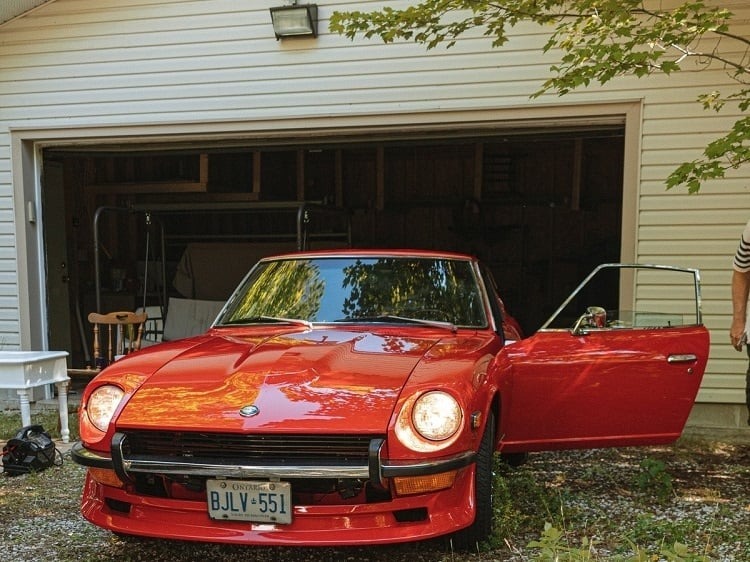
(295,20)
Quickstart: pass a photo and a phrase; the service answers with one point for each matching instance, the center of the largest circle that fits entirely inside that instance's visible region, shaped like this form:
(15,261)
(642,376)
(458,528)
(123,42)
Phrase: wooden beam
(478,170)
(300,174)
(149,187)
(339,177)
(257,163)
(380,178)
(203,169)
(575,195)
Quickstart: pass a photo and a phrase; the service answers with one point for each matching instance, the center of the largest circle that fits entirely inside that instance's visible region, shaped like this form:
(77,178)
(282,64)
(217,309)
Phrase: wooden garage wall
(77,63)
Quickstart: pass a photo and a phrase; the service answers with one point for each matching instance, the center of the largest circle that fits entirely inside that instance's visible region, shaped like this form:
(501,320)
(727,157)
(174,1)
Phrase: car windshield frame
(410,290)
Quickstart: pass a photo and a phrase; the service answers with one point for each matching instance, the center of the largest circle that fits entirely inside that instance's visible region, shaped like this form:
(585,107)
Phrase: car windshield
(365,289)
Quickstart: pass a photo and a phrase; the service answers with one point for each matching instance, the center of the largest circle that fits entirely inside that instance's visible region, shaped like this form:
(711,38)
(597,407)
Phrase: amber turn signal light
(409,485)
(106,476)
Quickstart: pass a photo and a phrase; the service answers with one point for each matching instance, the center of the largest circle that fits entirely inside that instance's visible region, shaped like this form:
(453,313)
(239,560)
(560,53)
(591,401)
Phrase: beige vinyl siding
(178,61)
(699,230)
(214,65)
(9,325)
(10,9)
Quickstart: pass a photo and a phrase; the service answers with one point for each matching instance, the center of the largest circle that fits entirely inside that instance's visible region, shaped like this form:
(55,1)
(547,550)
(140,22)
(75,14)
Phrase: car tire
(478,532)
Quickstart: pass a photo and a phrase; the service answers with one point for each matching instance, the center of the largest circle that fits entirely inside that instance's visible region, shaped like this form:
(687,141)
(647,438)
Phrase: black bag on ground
(31,450)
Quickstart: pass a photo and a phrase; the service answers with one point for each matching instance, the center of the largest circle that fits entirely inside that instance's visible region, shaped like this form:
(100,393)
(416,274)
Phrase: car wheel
(480,529)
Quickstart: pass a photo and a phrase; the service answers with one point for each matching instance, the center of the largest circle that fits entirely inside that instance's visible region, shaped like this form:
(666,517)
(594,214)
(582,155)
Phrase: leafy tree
(598,40)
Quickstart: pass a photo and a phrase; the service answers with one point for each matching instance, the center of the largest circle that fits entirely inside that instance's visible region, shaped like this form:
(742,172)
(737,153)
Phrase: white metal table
(22,370)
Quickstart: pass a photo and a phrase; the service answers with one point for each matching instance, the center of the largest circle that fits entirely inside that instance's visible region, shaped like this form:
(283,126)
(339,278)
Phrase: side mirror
(594,317)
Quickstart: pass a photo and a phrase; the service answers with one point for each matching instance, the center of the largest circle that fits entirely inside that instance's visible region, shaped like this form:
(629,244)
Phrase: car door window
(664,296)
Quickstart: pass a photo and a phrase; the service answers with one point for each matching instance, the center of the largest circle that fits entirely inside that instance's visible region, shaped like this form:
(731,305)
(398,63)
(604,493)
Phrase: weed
(681,553)
(520,502)
(653,477)
(552,546)
(649,529)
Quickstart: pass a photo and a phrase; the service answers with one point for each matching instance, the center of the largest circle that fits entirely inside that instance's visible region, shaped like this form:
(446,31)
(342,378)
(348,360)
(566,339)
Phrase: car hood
(300,381)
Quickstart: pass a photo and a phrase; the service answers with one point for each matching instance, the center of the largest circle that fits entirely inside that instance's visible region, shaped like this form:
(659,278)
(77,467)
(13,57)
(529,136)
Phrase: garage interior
(540,208)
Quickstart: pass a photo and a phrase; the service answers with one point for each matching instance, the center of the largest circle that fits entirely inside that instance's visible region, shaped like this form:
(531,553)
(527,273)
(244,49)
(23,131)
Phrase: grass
(10,423)
(689,502)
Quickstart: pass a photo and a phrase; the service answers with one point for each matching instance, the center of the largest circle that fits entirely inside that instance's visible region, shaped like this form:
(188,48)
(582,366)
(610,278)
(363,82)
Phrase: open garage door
(541,207)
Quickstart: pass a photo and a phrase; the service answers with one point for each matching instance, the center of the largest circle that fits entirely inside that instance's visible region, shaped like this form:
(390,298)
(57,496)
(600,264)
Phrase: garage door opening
(541,209)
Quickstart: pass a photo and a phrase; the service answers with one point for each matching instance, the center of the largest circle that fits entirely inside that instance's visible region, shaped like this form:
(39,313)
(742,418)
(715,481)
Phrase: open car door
(596,375)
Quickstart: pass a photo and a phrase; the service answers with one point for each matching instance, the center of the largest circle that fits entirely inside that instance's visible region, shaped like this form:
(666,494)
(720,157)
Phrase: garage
(540,205)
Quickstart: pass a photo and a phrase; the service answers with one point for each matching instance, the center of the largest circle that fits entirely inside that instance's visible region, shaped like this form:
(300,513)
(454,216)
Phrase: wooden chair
(124,331)
(115,334)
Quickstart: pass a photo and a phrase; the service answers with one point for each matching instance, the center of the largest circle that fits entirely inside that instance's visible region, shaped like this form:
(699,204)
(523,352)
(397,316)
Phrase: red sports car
(356,397)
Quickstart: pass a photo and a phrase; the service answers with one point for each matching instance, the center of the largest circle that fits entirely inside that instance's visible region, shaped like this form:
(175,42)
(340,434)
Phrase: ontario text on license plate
(243,500)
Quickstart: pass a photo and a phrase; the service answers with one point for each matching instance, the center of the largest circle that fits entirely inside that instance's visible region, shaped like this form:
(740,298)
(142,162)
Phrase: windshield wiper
(395,318)
(269,320)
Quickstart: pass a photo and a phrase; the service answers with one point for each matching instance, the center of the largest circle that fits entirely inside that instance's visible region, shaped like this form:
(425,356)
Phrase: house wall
(76,69)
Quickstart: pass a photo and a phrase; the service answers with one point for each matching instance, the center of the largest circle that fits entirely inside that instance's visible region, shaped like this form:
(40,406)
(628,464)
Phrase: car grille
(268,447)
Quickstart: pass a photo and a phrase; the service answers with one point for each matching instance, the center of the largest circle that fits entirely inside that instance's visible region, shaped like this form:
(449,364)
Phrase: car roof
(371,253)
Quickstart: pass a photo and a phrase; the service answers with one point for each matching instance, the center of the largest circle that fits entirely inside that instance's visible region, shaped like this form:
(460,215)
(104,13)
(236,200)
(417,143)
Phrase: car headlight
(436,416)
(102,404)
(429,422)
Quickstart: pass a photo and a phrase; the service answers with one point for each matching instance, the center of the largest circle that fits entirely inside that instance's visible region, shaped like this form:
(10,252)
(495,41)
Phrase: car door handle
(682,358)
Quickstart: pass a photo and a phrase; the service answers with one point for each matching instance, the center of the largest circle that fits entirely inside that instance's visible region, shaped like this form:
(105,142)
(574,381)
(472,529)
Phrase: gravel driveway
(608,503)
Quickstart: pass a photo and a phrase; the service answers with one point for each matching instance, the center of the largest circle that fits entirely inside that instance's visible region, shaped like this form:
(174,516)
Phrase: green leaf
(598,41)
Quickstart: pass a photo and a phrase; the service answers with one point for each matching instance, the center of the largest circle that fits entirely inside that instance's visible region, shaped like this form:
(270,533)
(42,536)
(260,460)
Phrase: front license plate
(243,500)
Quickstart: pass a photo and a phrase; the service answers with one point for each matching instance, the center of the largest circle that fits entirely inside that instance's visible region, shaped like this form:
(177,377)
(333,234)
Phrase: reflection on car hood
(299,381)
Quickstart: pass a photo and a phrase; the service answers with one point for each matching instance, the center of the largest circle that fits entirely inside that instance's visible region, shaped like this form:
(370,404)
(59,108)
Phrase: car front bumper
(400,519)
